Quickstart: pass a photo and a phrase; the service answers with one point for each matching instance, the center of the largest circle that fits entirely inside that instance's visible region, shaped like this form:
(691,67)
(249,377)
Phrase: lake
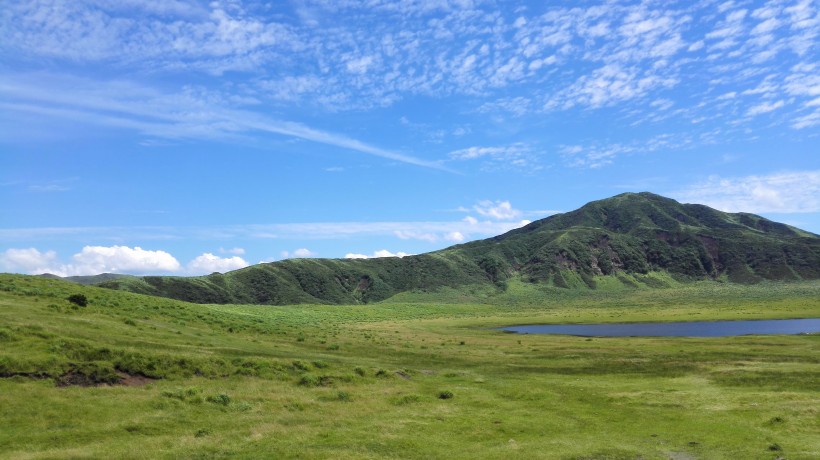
(684,329)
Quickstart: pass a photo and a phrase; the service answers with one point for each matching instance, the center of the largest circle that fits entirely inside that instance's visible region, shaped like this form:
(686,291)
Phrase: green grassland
(419,375)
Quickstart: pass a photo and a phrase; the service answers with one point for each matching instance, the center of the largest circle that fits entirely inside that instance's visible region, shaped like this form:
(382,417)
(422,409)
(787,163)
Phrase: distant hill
(626,238)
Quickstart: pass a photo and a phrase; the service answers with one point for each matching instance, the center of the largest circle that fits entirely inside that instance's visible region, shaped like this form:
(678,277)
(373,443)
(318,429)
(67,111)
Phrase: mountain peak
(627,238)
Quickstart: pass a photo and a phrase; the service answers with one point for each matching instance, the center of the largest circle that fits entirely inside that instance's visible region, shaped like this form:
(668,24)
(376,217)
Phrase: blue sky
(184,137)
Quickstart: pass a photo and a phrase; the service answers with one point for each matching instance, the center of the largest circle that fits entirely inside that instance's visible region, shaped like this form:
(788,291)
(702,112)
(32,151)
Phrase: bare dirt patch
(136,380)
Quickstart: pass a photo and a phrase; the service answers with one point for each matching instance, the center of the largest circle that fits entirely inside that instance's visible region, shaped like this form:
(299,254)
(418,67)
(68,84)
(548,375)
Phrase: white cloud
(413,235)
(764,107)
(807,121)
(497,210)
(786,192)
(611,84)
(376,254)
(235,251)
(122,259)
(29,260)
(517,156)
(92,260)
(189,114)
(339,56)
(301,253)
(456,237)
(599,155)
(696,46)
(209,263)
(48,188)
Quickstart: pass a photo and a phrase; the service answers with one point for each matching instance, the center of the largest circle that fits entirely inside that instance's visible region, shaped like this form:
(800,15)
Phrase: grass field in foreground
(420,376)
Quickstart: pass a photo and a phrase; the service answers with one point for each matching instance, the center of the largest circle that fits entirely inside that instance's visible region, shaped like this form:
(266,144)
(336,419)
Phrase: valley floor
(418,376)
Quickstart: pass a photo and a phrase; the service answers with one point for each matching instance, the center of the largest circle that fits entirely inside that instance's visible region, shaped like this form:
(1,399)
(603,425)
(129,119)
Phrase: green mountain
(627,239)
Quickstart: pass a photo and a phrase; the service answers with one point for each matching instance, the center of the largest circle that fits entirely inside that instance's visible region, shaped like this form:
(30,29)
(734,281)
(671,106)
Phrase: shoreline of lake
(731,328)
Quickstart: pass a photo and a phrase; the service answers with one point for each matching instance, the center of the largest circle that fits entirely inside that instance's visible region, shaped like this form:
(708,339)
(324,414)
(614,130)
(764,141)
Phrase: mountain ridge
(626,237)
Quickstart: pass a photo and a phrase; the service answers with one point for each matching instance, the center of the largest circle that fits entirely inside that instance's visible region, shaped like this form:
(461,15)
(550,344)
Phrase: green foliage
(221,399)
(632,234)
(78,299)
(309,380)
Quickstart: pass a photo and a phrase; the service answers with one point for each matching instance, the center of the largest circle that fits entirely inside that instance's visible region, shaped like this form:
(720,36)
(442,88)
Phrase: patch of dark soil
(134,380)
(403,375)
(82,378)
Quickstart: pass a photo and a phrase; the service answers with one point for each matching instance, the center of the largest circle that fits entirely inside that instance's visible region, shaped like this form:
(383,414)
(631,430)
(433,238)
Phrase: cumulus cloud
(209,263)
(301,253)
(376,254)
(456,237)
(123,259)
(786,192)
(92,260)
(28,260)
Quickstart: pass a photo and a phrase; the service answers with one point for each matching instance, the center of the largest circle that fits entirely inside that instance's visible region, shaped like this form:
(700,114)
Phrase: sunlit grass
(367,381)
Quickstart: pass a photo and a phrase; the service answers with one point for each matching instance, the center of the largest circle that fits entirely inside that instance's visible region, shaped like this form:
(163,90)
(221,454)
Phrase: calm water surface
(687,329)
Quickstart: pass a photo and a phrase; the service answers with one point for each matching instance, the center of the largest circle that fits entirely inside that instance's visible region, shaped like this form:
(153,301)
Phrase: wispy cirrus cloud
(518,156)
(599,154)
(494,217)
(566,56)
(644,62)
(191,114)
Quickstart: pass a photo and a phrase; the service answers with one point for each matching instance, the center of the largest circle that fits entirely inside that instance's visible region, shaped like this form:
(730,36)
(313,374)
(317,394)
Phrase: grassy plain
(422,375)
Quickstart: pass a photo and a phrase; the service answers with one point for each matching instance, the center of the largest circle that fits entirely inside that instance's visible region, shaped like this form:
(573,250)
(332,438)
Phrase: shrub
(78,299)
(309,380)
(221,399)
(446,394)
(360,371)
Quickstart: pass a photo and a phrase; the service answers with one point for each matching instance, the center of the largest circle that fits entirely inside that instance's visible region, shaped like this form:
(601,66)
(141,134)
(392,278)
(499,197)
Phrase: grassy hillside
(631,239)
(132,376)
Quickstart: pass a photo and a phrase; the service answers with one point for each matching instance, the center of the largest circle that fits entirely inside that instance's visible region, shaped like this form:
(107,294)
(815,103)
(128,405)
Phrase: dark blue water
(688,329)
